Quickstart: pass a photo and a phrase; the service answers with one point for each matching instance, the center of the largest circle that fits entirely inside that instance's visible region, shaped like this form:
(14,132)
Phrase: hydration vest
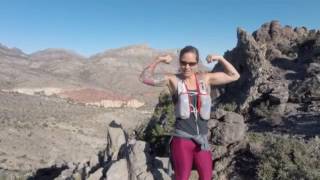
(183,107)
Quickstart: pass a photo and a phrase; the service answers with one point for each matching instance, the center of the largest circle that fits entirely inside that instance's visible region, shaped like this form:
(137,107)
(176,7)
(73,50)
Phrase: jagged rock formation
(122,159)
(279,82)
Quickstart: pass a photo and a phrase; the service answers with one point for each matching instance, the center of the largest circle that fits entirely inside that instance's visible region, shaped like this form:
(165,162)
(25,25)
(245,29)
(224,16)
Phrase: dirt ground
(38,131)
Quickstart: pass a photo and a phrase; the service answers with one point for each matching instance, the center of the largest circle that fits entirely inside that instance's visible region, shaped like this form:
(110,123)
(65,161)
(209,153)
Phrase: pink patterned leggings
(185,153)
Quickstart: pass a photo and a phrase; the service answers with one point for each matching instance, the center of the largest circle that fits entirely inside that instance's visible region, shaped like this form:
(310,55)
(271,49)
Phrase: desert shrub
(157,132)
(263,110)
(287,157)
(232,106)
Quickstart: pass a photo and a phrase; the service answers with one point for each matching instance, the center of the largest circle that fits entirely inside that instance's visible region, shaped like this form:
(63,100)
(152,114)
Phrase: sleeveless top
(191,125)
(182,106)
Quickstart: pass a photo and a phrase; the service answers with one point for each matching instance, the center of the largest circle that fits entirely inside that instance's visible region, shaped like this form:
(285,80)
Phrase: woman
(191,95)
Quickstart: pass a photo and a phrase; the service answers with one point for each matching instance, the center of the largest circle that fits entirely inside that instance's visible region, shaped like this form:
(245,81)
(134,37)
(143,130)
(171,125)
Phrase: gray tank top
(190,125)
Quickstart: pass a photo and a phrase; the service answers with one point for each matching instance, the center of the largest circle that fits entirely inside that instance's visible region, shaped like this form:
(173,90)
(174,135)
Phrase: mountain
(114,70)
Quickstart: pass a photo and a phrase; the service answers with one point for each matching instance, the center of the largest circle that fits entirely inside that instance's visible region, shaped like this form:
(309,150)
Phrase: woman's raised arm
(148,76)
(230,74)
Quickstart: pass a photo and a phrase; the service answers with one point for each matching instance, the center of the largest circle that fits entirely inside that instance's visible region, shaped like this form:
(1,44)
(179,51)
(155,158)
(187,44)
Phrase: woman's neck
(190,79)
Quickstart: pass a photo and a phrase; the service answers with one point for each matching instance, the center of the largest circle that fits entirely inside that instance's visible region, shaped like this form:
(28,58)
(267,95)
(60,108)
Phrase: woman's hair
(187,49)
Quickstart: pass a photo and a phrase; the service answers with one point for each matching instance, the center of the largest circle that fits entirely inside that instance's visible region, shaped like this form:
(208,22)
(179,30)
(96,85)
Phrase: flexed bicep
(149,77)
(219,78)
(155,79)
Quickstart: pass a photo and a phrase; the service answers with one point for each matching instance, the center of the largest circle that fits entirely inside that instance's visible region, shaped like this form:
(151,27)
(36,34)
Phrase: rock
(96,175)
(230,130)
(249,59)
(118,170)
(268,61)
(140,160)
(68,173)
(212,123)
(227,137)
(116,140)
(94,159)
(162,176)
(279,93)
(77,176)
(145,176)
(161,162)
(218,113)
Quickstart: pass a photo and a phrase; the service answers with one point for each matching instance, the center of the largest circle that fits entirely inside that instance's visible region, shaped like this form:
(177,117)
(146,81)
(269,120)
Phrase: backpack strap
(178,90)
(203,87)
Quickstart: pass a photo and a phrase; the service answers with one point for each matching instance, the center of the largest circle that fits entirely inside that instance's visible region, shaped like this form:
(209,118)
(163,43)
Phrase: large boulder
(227,136)
(229,129)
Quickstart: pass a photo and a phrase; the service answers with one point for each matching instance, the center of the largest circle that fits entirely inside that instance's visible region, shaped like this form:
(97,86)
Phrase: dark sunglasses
(190,63)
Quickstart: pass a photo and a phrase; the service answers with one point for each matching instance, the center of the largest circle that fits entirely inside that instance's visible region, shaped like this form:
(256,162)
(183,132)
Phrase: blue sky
(89,27)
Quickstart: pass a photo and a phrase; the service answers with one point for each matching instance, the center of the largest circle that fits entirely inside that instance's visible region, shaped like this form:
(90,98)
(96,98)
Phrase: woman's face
(188,64)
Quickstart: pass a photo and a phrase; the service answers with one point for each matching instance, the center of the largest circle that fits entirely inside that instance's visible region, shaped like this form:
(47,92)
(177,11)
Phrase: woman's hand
(213,57)
(165,58)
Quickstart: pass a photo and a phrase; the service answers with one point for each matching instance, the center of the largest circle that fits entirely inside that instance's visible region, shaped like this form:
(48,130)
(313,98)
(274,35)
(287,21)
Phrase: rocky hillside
(40,134)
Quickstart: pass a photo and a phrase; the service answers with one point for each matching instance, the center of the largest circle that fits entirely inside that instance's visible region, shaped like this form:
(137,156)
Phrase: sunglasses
(190,63)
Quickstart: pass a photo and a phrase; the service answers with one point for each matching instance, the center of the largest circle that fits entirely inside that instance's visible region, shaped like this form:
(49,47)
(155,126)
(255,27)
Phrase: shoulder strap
(180,86)
(204,88)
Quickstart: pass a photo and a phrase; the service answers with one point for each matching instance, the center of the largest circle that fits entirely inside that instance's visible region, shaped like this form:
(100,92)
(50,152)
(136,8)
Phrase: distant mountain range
(54,71)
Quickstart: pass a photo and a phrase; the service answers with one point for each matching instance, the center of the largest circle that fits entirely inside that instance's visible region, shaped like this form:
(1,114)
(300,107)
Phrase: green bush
(287,158)
(157,132)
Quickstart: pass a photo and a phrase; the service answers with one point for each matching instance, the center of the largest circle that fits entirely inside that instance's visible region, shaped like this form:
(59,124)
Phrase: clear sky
(92,26)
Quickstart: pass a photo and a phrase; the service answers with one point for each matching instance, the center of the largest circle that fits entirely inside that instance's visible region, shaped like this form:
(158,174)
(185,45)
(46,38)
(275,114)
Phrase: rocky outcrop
(133,157)
(279,69)
(122,159)
(227,136)
(228,129)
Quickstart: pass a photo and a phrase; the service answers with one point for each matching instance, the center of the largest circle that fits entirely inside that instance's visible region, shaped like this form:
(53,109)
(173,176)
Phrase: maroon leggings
(184,153)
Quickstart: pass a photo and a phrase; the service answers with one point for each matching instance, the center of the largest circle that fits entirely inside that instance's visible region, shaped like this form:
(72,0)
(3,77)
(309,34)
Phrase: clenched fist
(213,57)
(165,58)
